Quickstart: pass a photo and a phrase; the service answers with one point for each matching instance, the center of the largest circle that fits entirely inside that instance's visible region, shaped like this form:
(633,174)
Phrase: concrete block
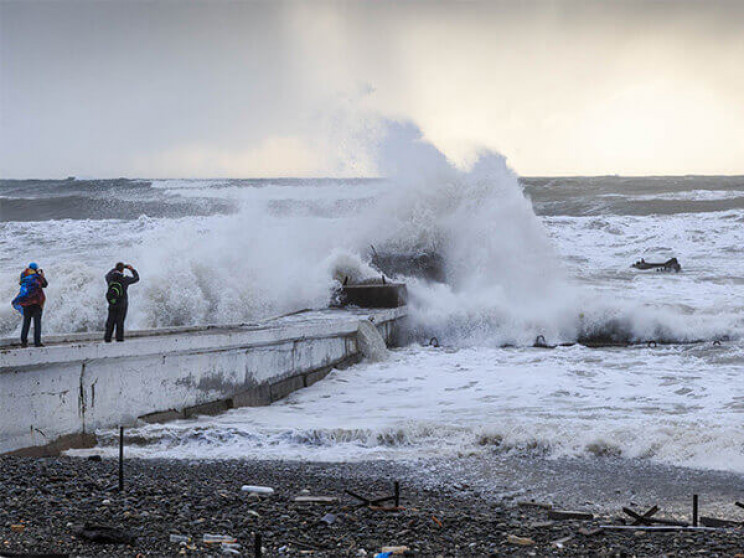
(162,416)
(283,388)
(350,361)
(351,345)
(311,354)
(211,408)
(264,363)
(63,443)
(317,375)
(258,396)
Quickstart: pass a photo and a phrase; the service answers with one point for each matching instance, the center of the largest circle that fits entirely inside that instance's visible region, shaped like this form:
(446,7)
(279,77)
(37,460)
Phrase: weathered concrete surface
(77,383)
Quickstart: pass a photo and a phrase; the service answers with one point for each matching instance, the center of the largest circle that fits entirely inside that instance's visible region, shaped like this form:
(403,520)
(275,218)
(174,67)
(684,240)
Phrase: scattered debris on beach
(177,508)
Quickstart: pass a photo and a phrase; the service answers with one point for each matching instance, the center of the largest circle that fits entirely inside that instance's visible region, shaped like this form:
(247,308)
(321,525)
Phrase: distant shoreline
(359,178)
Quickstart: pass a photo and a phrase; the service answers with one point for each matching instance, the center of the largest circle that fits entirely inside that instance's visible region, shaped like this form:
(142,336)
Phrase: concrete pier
(55,397)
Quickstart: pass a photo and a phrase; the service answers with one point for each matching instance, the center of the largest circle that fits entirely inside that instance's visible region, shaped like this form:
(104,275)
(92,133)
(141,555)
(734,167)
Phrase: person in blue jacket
(30,302)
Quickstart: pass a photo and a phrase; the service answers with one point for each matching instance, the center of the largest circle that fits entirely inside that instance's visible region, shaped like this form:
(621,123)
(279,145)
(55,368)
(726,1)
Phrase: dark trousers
(31,312)
(116,316)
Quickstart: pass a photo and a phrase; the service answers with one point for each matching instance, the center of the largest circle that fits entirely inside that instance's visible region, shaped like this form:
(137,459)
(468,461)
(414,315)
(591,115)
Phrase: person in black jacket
(118,283)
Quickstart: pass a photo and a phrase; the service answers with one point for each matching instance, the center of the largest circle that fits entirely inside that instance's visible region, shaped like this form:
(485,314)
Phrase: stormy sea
(519,258)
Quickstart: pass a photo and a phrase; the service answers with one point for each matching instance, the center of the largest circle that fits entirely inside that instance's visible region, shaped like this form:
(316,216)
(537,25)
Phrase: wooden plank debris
(533,504)
(645,518)
(316,500)
(652,520)
(541,524)
(563,514)
(715,522)
(656,528)
(521,541)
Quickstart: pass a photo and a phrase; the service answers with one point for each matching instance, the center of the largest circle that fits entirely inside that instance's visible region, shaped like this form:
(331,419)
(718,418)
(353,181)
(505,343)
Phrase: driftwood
(316,499)
(561,514)
(656,528)
(715,522)
(375,502)
(533,504)
(643,519)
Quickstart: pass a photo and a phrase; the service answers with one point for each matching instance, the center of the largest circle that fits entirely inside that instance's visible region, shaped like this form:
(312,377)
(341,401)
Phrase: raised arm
(135,276)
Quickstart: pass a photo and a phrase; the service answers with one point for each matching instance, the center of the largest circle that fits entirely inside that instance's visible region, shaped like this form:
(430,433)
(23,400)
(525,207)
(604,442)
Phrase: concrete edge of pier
(54,398)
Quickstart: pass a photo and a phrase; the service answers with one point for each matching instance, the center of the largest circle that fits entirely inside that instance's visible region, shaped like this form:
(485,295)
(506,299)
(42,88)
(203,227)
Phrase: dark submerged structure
(667,266)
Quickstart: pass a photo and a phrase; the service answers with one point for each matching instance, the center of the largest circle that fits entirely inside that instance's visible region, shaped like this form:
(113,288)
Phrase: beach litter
(263,490)
(210,538)
(561,543)
(521,541)
(329,519)
(230,548)
(386,551)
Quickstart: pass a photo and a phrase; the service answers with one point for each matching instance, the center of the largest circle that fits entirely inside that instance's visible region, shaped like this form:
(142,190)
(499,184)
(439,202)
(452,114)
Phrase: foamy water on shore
(674,405)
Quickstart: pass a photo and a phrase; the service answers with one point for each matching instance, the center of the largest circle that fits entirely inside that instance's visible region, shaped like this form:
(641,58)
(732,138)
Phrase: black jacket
(124,280)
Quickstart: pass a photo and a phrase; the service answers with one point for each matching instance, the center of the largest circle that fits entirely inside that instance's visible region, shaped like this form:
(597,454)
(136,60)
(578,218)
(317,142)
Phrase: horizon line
(72,178)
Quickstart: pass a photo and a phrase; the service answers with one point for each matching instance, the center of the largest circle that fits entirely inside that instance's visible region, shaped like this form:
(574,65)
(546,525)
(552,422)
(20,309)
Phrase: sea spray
(505,284)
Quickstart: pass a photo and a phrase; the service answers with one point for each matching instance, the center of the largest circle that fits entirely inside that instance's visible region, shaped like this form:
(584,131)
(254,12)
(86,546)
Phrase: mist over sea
(523,257)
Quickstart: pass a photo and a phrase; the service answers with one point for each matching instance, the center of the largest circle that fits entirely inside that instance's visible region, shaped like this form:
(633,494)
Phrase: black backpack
(114,293)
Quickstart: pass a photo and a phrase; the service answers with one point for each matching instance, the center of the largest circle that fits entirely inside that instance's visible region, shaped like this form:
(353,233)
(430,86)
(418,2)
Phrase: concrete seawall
(55,397)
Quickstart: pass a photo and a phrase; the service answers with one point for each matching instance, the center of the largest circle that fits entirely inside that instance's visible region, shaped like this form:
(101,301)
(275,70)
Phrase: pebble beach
(171,508)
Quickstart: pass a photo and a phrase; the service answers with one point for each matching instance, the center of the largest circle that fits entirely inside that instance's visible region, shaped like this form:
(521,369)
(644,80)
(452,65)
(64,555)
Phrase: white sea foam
(692,195)
(673,405)
(188,184)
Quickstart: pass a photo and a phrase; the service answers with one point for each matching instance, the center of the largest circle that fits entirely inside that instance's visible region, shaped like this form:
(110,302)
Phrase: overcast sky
(206,89)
